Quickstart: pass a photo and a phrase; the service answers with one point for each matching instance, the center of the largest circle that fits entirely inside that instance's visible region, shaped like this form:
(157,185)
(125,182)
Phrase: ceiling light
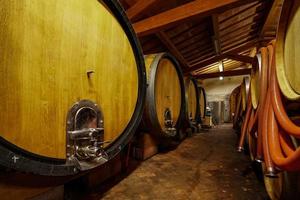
(221,66)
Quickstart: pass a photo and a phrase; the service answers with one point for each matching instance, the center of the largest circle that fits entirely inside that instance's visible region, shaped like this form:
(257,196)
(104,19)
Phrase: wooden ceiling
(203,33)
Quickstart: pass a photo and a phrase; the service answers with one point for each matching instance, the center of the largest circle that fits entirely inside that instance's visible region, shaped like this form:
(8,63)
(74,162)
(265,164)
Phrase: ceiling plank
(242,37)
(202,57)
(205,63)
(171,47)
(225,73)
(182,13)
(272,18)
(239,43)
(245,9)
(238,33)
(193,47)
(241,58)
(196,54)
(138,8)
(215,59)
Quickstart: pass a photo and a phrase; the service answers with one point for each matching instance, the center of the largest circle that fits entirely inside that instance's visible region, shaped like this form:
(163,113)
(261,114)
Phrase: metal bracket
(85,133)
(170,130)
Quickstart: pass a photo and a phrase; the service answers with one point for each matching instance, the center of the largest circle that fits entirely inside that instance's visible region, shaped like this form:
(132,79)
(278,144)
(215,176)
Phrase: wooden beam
(171,47)
(238,72)
(219,58)
(241,58)
(138,8)
(237,57)
(216,37)
(197,8)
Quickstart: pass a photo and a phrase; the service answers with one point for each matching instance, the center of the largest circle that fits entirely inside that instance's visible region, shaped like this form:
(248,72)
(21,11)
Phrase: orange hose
(272,122)
(245,124)
(286,143)
(252,128)
(271,53)
(280,113)
(290,163)
(237,111)
(281,149)
(266,152)
(262,97)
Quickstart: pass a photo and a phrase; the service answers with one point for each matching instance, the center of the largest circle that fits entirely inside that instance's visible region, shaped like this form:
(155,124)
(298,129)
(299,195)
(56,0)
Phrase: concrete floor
(205,166)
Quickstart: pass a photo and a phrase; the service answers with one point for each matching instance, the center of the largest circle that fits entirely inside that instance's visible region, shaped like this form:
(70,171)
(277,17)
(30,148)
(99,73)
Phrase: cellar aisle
(205,166)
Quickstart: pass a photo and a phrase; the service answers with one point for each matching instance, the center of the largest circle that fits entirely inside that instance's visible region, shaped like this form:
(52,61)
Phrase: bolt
(15,158)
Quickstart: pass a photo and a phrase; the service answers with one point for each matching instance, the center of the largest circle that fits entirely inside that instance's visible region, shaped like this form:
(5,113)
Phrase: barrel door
(72,84)
(192,115)
(165,95)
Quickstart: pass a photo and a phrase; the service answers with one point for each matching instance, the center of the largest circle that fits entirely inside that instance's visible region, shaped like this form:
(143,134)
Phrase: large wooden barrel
(255,80)
(245,92)
(287,50)
(287,184)
(72,84)
(192,115)
(165,99)
(259,76)
(202,102)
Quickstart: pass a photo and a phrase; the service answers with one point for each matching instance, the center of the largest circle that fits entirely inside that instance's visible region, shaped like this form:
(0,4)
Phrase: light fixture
(221,68)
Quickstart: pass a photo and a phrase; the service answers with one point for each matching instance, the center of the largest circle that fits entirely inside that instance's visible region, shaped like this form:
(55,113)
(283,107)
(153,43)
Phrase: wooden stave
(48,166)
(150,121)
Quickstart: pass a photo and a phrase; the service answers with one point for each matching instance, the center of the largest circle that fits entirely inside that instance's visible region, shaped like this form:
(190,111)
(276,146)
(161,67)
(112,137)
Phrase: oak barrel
(259,76)
(165,99)
(287,50)
(72,84)
(192,95)
(255,80)
(202,102)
